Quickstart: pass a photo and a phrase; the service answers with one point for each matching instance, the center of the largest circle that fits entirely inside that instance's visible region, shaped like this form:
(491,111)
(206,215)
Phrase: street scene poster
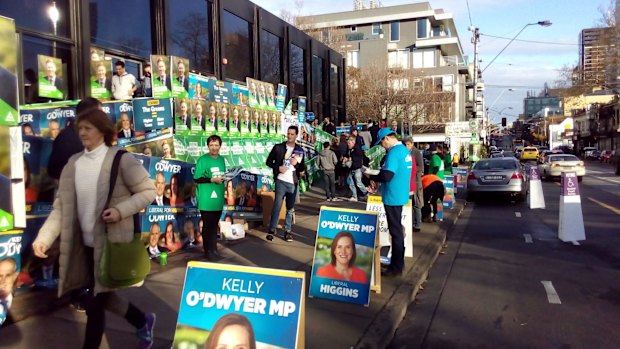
(344,255)
(259,307)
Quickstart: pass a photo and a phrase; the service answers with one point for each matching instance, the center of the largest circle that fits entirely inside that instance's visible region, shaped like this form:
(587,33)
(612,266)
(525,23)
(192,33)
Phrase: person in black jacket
(373,127)
(287,161)
(355,157)
(68,142)
(328,126)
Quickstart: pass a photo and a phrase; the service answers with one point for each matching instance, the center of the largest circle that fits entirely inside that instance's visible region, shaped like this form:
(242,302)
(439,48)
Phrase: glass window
(35,46)
(298,73)
(128,30)
(237,47)
(448,83)
(334,80)
(424,58)
(353,59)
(317,79)
(353,28)
(395,31)
(398,59)
(190,33)
(376,29)
(422,28)
(270,57)
(34,15)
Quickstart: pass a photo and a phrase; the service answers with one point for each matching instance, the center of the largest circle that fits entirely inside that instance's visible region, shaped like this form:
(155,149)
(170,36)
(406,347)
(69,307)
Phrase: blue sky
(523,66)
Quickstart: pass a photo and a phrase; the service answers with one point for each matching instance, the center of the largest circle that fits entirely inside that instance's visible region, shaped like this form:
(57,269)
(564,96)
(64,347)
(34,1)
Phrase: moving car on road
(529,153)
(555,164)
(497,176)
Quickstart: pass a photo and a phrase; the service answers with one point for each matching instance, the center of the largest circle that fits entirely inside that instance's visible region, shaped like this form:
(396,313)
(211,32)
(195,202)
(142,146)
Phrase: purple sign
(534,173)
(570,184)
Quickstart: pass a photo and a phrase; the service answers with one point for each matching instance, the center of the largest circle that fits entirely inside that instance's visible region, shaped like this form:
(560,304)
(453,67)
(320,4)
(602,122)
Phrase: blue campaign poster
(448,199)
(265,304)
(152,114)
(343,255)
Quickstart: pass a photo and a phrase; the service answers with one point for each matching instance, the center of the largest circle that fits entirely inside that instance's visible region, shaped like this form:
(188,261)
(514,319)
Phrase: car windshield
(563,158)
(495,165)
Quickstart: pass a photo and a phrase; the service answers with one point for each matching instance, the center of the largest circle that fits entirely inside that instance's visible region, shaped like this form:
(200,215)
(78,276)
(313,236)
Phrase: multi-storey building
(594,44)
(230,40)
(413,38)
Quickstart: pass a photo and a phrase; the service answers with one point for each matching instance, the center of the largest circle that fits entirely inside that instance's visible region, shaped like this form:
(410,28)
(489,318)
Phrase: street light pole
(544,23)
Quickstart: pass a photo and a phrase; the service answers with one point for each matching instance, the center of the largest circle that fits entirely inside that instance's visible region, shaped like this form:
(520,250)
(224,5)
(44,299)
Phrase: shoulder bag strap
(114,175)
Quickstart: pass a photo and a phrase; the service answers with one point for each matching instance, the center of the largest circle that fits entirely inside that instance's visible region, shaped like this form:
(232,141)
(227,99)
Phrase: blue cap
(384,132)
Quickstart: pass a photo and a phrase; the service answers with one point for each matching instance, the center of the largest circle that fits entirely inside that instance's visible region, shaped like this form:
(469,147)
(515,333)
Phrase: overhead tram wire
(469,13)
(532,41)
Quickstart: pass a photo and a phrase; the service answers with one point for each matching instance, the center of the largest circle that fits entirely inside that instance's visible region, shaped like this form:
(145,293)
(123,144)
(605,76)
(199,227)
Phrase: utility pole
(475,40)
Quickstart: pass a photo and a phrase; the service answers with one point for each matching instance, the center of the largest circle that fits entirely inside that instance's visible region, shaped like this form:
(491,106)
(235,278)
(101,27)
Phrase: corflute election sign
(260,308)
(344,255)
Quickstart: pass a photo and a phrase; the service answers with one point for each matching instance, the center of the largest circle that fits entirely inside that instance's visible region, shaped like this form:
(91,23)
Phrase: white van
(587,151)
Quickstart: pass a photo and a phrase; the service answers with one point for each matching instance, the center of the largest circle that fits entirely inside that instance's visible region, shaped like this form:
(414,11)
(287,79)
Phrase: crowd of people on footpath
(81,220)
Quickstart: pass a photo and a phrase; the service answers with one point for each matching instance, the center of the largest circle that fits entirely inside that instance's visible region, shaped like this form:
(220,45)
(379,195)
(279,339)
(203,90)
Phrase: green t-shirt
(437,162)
(210,195)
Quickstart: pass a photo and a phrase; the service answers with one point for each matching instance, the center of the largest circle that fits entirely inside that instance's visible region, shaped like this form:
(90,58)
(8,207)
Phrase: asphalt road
(506,281)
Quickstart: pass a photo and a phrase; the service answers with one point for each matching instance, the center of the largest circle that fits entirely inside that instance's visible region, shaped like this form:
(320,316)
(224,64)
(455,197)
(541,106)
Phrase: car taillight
(471,175)
(517,175)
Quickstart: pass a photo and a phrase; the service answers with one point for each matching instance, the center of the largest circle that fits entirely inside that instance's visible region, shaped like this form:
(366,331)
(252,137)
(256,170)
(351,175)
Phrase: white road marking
(604,205)
(518,214)
(605,179)
(528,238)
(552,295)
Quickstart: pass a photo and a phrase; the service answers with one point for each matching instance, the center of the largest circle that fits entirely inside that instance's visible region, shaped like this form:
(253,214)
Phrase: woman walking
(81,220)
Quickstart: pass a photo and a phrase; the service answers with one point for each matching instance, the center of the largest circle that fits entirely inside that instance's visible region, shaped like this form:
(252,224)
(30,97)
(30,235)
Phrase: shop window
(298,73)
(317,79)
(190,32)
(237,47)
(270,57)
(122,25)
(32,47)
(34,15)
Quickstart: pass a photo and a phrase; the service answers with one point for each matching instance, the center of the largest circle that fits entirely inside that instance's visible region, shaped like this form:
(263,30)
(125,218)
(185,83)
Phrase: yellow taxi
(529,153)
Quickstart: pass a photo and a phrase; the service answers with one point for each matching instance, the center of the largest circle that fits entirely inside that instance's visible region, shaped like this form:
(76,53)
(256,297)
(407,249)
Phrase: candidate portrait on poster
(50,77)
(162,81)
(101,79)
(179,70)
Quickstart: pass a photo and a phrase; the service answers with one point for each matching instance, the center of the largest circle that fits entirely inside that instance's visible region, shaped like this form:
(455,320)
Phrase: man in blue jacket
(287,161)
(395,175)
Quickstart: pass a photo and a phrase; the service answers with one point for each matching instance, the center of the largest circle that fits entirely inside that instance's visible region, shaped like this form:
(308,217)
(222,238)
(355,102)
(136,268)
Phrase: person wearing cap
(395,175)
(437,165)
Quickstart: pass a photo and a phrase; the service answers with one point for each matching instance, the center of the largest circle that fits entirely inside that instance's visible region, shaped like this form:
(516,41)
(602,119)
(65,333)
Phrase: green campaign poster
(179,70)
(101,79)
(51,84)
(8,73)
(162,81)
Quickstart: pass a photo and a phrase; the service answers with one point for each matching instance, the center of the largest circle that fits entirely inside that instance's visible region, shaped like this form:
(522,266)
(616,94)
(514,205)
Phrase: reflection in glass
(122,25)
(270,57)
(190,32)
(317,79)
(298,85)
(334,80)
(237,47)
(33,14)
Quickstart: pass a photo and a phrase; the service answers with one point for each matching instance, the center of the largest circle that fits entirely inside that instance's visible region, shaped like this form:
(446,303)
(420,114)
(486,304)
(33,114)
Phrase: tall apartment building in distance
(594,44)
(413,37)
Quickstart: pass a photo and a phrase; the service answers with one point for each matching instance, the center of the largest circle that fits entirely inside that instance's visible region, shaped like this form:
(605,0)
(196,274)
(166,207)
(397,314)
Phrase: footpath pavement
(328,324)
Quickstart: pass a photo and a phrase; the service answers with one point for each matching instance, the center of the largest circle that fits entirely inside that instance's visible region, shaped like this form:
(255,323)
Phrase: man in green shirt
(210,175)
(436,166)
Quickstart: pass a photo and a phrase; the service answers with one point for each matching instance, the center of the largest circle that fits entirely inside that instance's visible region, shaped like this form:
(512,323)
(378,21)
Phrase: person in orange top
(342,260)
(433,190)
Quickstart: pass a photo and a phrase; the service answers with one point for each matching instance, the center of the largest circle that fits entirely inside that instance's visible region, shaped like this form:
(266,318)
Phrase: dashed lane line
(518,214)
(552,295)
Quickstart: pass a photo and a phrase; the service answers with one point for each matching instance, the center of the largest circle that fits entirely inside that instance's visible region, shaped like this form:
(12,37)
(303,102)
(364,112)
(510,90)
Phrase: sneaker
(329,199)
(270,235)
(288,237)
(145,334)
(336,199)
(352,199)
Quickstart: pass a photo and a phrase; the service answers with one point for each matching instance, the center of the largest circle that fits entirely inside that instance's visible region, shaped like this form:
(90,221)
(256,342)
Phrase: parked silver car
(498,176)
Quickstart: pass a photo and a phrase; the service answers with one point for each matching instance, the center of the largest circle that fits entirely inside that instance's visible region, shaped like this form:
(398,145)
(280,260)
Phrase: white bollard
(537,197)
(571,227)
